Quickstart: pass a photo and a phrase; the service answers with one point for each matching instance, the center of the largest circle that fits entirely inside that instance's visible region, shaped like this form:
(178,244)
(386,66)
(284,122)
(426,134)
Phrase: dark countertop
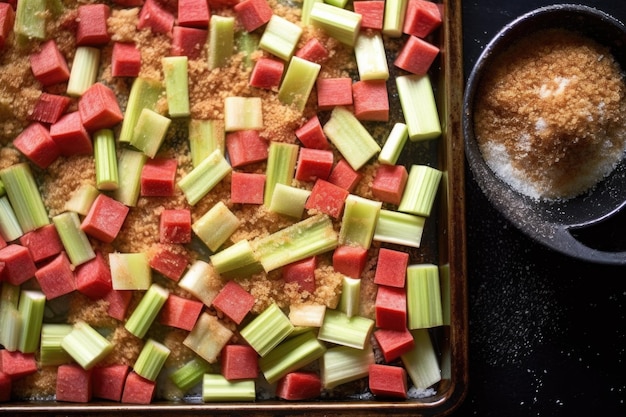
(547,333)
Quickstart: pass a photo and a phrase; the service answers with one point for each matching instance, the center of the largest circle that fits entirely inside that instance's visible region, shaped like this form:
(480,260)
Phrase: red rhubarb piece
(313,164)
(245,147)
(327,198)
(302,272)
(372,12)
(99,108)
(165,260)
(118,300)
(37,145)
(344,176)
(391,268)
(105,218)
(253,13)
(42,243)
(333,92)
(187,41)
(387,381)
(56,278)
(234,301)
(155,17)
(92,25)
(394,343)
(312,135)
(239,362)
(350,260)
(71,136)
(175,226)
(125,60)
(73,384)
(158,177)
(108,381)
(49,107)
(371,101)
(17,364)
(267,73)
(193,13)
(19,266)
(222,3)
(49,65)
(416,56)
(390,306)
(180,312)
(7,17)
(313,51)
(421,18)
(138,390)
(389,182)
(5,381)
(247,187)
(296,386)
(93,278)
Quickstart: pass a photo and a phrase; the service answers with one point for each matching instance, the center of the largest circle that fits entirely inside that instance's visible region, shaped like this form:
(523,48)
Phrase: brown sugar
(549,115)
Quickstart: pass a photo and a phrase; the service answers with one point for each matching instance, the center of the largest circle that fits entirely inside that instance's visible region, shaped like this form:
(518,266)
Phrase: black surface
(547,333)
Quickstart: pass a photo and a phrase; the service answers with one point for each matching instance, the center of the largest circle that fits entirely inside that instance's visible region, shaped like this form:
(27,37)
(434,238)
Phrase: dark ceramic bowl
(563,225)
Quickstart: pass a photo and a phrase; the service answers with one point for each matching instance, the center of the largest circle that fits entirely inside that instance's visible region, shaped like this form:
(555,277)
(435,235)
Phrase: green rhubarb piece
(51,352)
(105,159)
(418,104)
(237,260)
(205,136)
(30,20)
(423,294)
(10,228)
(130,271)
(85,345)
(337,3)
(371,58)
(216,226)
(197,183)
(421,361)
(399,228)
(144,93)
(393,19)
(216,388)
(176,85)
(342,24)
(289,200)
(420,190)
(342,330)
(243,113)
(221,40)
(359,220)
(394,144)
(208,337)
(280,37)
(298,82)
(74,239)
(24,197)
(309,237)
(247,43)
(305,15)
(292,354)
(147,310)
(202,281)
(82,199)
(84,70)
(150,132)
(350,301)
(307,315)
(343,364)
(3,191)
(267,330)
(151,359)
(281,165)
(10,317)
(350,137)
(190,374)
(130,165)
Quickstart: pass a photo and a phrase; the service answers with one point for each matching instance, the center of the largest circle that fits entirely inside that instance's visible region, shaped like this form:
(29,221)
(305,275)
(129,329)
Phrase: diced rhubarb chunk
(389,183)
(421,18)
(344,176)
(245,147)
(187,41)
(299,385)
(118,300)
(56,278)
(388,381)
(313,164)
(125,60)
(391,268)
(333,92)
(253,13)
(222,3)
(92,25)
(105,218)
(167,261)
(327,198)
(108,381)
(49,65)
(5,382)
(42,243)
(350,260)
(302,272)
(138,390)
(129,3)
(37,145)
(73,384)
(99,108)
(239,362)
(312,135)
(267,73)
(7,17)
(19,266)
(49,108)
(180,312)
(17,364)
(313,51)
(416,56)
(93,278)
(394,343)
(175,226)
(193,13)
(155,17)
(371,101)
(158,177)
(390,306)
(71,136)
(372,12)
(247,187)
(234,301)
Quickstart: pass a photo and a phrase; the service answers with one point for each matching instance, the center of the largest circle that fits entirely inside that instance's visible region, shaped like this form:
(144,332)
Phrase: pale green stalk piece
(393,20)
(130,271)
(371,58)
(105,159)
(281,166)
(307,5)
(309,237)
(82,199)
(150,132)
(423,294)
(298,82)
(418,104)
(84,70)
(176,85)
(197,183)
(51,352)
(10,317)
(144,93)
(247,43)
(420,190)
(208,337)
(85,345)
(350,301)
(392,148)
(350,137)
(289,200)
(360,216)
(337,3)
(202,281)
(216,388)
(292,354)
(205,136)
(421,361)
(342,364)
(221,40)
(399,228)
(237,260)
(190,374)
(3,191)
(30,20)
(340,329)
(267,330)
(280,37)
(10,228)
(216,226)
(151,359)
(307,315)
(342,24)
(129,165)
(147,310)
(74,239)
(24,197)
(243,113)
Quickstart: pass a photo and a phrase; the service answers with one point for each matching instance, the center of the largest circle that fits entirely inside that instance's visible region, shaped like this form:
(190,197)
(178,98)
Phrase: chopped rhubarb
(253,13)
(19,266)
(332,92)
(234,301)
(167,261)
(302,272)
(239,362)
(421,18)
(389,182)
(158,177)
(180,312)
(296,386)
(49,65)
(155,17)
(56,278)
(7,17)
(391,268)
(71,136)
(108,381)
(42,243)
(105,218)
(73,384)
(5,381)
(372,12)
(125,60)
(388,381)
(313,164)
(313,51)
(245,147)
(327,198)
(416,55)
(37,145)
(99,108)
(138,390)
(390,308)
(247,187)
(350,260)
(371,101)
(267,73)
(193,13)
(49,107)
(175,226)
(17,364)
(344,176)
(92,25)
(118,300)
(312,135)
(394,343)
(222,3)
(93,278)
(187,41)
